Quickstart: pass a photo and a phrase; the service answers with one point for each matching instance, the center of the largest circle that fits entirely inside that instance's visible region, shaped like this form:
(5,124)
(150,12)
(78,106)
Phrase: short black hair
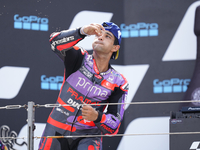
(116,41)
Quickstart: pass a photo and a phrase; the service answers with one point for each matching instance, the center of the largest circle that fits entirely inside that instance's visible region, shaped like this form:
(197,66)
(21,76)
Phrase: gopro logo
(173,85)
(51,83)
(11,81)
(31,23)
(140,29)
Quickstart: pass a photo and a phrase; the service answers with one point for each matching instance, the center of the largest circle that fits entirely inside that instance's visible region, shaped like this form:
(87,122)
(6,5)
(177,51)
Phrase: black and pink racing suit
(83,83)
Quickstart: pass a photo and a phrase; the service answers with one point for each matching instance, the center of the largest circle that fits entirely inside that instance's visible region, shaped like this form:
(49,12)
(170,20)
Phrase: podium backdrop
(157,56)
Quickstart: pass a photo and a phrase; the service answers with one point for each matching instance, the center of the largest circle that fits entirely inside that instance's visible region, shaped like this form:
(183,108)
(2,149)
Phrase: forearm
(65,39)
(108,124)
(110,121)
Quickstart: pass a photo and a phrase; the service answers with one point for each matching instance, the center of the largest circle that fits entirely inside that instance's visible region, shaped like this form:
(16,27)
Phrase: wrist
(99,116)
(82,31)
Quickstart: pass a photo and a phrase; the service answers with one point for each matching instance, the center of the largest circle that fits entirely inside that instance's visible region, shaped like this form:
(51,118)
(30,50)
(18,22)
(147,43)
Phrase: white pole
(31,126)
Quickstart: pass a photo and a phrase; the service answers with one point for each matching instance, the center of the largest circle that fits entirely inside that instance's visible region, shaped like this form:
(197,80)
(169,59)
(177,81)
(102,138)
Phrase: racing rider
(89,81)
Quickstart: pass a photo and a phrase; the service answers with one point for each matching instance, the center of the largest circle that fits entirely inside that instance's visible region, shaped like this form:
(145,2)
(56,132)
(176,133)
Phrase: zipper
(81,106)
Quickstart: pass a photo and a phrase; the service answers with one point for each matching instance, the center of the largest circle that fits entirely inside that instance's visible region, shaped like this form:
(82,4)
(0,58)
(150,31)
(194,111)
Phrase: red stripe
(116,131)
(41,146)
(126,82)
(91,147)
(48,144)
(82,121)
(65,46)
(103,119)
(108,85)
(60,125)
(55,34)
(60,101)
(76,47)
(95,67)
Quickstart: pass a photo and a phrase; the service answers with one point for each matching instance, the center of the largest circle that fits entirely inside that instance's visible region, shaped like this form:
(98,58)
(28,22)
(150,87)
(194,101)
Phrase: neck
(101,63)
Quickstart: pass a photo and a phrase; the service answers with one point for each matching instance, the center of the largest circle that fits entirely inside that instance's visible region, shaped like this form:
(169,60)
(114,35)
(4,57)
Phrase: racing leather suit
(84,83)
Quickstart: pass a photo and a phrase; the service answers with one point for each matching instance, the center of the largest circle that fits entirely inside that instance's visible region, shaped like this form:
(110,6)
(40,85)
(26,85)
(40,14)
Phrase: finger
(98,29)
(83,111)
(83,104)
(97,32)
(84,117)
(101,27)
(94,29)
(84,114)
(85,108)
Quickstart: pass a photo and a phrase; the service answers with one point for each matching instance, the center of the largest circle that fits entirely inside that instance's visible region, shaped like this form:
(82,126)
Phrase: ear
(115,48)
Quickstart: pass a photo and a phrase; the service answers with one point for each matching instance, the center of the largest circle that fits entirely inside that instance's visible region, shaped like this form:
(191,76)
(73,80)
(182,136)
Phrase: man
(88,79)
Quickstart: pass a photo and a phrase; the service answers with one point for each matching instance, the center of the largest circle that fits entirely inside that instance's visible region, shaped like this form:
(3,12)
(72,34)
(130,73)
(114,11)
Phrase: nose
(100,37)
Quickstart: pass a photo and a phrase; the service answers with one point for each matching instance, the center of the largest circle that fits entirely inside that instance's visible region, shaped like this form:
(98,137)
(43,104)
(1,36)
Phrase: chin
(97,48)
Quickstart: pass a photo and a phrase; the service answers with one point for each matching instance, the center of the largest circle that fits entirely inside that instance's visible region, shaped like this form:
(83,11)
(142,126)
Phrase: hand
(89,113)
(93,29)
